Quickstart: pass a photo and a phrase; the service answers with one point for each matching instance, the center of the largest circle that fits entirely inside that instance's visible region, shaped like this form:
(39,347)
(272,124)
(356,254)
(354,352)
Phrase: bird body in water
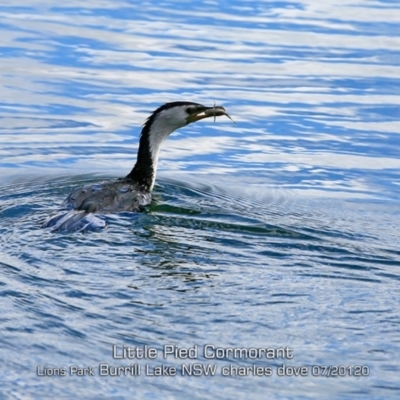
(134,191)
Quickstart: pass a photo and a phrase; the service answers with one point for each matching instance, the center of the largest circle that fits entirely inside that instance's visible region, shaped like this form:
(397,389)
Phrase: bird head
(161,123)
(175,115)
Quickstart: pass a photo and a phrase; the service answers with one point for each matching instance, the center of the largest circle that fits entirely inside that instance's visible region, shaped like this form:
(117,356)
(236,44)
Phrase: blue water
(278,232)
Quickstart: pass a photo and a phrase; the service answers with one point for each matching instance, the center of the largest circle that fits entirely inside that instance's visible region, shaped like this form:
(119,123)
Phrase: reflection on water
(311,88)
(279,230)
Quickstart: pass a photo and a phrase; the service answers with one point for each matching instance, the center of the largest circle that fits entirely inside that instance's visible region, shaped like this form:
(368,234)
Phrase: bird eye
(190,110)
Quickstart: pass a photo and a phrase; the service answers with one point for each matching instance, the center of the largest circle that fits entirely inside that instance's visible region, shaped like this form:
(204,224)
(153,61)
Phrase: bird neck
(153,134)
(143,172)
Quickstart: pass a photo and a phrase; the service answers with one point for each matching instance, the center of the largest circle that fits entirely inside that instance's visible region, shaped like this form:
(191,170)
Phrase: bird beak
(207,112)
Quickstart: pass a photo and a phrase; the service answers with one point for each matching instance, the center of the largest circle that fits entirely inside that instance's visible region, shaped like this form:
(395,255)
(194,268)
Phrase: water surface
(279,231)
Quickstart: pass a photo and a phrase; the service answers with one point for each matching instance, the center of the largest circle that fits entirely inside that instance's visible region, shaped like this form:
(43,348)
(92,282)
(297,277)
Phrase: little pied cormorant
(134,191)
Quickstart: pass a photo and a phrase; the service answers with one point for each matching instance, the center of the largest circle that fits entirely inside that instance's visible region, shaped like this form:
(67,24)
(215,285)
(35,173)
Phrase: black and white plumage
(134,191)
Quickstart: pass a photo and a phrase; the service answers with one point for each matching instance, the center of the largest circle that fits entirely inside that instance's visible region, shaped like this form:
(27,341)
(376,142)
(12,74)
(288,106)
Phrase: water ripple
(281,230)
